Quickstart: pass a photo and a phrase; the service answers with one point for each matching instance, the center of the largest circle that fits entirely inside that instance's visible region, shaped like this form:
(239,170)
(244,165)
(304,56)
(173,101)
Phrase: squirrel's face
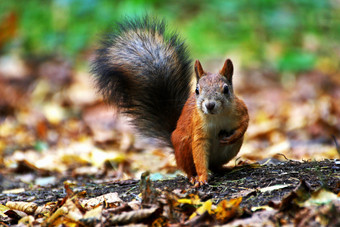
(214,92)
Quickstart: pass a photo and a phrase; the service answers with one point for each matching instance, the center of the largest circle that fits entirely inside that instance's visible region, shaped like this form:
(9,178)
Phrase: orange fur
(198,139)
(200,146)
(182,139)
(242,112)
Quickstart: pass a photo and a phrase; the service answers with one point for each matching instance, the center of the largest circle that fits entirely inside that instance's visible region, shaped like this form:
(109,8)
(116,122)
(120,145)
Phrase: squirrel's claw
(198,181)
(229,139)
(192,180)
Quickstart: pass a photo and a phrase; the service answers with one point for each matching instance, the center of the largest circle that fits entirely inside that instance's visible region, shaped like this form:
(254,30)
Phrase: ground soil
(247,181)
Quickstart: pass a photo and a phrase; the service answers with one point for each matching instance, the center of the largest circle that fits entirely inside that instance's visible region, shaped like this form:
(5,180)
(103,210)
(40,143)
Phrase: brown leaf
(111,199)
(27,207)
(138,216)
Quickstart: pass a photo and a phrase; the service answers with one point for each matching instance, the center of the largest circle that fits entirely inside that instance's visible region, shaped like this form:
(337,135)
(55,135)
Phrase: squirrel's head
(214,91)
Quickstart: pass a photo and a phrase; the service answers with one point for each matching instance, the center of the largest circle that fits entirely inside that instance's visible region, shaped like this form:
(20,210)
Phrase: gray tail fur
(146,73)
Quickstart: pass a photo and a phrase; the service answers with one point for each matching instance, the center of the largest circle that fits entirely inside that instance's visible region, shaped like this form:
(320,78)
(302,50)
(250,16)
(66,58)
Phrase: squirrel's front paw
(226,137)
(199,181)
(227,140)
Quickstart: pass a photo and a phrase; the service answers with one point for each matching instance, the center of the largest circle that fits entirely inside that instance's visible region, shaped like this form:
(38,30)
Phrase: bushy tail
(146,73)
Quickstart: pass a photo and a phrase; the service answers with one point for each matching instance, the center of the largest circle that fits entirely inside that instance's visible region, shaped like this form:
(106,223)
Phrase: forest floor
(272,193)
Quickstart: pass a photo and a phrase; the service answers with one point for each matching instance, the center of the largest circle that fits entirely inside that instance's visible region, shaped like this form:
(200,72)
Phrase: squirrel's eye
(225,89)
(197,91)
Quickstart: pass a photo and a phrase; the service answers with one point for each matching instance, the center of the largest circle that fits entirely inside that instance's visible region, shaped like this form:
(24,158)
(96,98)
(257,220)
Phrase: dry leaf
(206,207)
(226,210)
(27,207)
(110,198)
(134,217)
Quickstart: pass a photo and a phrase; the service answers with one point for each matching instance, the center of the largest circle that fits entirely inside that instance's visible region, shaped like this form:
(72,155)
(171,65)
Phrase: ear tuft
(198,69)
(227,70)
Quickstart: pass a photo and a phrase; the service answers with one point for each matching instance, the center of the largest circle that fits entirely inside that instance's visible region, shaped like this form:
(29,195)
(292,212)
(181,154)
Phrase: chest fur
(215,124)
(219,154)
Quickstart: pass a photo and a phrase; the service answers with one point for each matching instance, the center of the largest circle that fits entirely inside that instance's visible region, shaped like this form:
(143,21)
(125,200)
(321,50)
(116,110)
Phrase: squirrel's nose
(210,106)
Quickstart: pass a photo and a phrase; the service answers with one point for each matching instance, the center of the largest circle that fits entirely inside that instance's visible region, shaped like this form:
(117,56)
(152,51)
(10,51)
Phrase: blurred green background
(284,36)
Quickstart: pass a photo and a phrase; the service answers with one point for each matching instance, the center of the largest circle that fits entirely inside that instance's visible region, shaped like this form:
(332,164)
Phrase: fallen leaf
(320,197)
(228,209)
(206,207)
(134,217)
(274,187)
(110,198)
(27,207)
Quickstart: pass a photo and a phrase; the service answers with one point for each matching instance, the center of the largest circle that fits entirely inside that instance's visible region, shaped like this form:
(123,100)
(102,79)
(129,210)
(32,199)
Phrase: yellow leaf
(228,209)
(193,200)
(98,157)
(27,220)
(186,201)
(205,207)
(3,208)
(54,113)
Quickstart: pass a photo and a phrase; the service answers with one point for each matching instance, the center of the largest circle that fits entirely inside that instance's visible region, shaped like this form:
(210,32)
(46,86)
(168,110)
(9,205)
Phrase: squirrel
(146,73)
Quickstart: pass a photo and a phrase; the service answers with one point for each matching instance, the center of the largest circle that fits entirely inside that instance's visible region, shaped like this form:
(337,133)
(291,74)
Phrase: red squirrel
(146,73)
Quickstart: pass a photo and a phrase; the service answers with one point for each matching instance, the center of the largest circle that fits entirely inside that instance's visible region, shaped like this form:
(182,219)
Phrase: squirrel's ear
(198,69)
(227,70)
